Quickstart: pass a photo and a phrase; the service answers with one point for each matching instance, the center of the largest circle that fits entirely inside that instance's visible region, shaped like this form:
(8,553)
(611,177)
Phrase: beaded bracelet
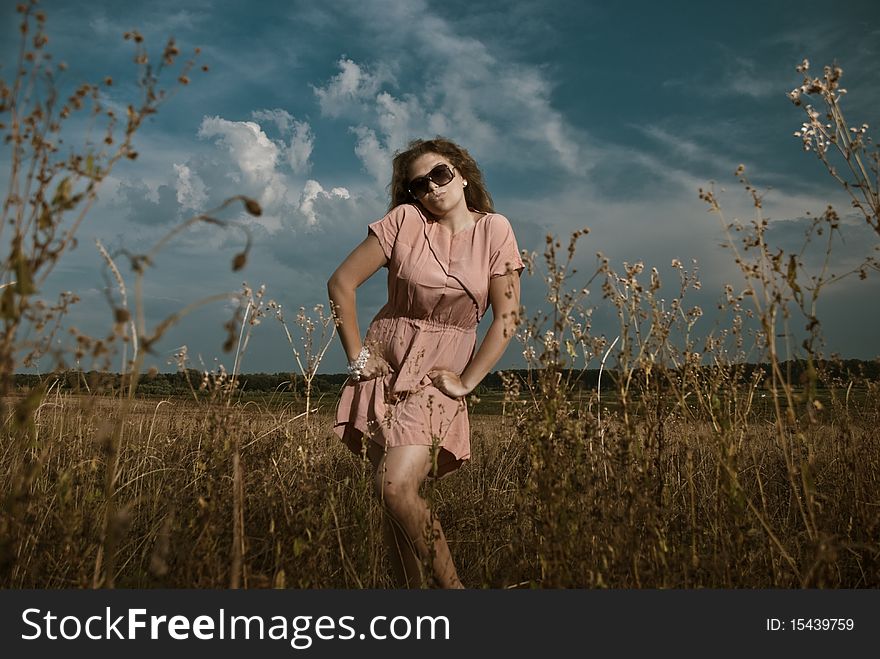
(356,366)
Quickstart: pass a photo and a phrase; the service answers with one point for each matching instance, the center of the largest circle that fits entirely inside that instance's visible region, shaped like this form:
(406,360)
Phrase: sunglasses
(441,175)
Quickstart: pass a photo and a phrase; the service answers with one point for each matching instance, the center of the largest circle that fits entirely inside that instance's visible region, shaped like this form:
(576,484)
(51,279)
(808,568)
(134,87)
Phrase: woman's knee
(399,477)
(394,493)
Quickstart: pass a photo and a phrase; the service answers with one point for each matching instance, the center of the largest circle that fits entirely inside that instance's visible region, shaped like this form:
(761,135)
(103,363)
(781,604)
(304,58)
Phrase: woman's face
(437,199)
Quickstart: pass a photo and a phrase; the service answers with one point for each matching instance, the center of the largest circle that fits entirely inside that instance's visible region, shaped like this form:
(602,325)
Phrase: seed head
(252,206)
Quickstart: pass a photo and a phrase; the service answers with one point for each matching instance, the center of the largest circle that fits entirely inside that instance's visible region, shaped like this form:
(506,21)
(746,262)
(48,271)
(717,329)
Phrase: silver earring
(464,184)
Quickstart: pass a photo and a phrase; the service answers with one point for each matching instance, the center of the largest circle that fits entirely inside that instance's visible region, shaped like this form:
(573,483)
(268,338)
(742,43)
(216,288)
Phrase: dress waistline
(382,315)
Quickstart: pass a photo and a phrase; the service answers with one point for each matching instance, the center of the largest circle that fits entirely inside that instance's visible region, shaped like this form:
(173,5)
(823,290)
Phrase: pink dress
(438,290)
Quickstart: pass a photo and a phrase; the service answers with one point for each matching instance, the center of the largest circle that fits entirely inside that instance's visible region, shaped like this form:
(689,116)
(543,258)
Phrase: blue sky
(606,115)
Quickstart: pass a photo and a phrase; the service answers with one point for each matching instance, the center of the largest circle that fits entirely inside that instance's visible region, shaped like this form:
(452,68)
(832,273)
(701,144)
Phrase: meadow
(682,466)
(218,494)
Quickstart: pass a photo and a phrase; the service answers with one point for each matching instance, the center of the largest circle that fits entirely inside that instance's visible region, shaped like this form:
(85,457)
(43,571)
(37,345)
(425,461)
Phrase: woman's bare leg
(405,563)
(400,550)
(408,569)
(399,474)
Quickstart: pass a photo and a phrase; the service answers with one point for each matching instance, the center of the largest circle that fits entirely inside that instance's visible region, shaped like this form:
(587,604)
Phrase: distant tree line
(797,372)
(178,383)
(184,382)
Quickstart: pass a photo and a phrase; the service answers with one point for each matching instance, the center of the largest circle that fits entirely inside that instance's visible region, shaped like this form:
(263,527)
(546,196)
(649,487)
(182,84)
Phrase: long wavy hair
(475,194)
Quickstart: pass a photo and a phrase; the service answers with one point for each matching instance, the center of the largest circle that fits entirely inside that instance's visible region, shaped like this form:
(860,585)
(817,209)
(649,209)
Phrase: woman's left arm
(504,299)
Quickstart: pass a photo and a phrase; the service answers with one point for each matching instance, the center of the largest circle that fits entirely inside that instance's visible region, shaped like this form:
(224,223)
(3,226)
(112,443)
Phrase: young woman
(449,258)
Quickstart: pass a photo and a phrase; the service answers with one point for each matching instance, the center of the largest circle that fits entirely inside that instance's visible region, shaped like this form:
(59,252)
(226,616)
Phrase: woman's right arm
(358,266)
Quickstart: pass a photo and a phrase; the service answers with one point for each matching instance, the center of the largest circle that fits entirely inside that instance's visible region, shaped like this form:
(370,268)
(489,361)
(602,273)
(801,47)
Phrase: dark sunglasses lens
(419,187)
(441,175)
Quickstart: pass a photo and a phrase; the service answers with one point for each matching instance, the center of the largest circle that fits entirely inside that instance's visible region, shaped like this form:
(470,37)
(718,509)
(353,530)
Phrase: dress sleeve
(386,229)
(504,252)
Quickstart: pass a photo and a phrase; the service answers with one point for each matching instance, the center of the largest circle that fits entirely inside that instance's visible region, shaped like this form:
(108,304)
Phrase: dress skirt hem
(355,439)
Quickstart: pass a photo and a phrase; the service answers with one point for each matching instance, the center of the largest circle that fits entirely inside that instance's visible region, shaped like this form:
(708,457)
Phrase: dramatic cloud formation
(254,154)
(306,103)
(498,106)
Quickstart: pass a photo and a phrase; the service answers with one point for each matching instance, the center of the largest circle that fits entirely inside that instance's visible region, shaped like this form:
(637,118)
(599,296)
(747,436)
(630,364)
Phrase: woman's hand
(449,383)
(375,367)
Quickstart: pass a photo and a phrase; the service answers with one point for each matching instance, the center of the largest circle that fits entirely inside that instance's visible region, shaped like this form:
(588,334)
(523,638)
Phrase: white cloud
(746,78)
(282,119)
(190,188)
(155,26)
(544,124)
(255,155)
(301,138)
(264,168)
(742,77)
(398,119)
(375,157)
(302,141)
(348,89)
(686,149)
(311,193)
(101,25)
(253,151)
(480,97)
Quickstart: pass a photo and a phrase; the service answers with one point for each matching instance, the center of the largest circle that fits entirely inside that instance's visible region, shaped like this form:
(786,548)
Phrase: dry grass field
(213,495)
